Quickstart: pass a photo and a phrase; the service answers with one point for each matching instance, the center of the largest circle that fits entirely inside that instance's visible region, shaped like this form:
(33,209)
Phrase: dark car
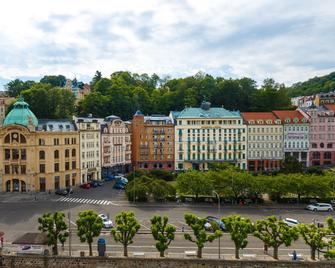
(109,178)
(214,220)
(64,191)
(93,184)
(119,186)
(100,183)
(85,185)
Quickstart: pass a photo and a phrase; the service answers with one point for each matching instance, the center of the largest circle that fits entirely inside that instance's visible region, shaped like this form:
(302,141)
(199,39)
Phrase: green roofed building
(208,135)
(21,115)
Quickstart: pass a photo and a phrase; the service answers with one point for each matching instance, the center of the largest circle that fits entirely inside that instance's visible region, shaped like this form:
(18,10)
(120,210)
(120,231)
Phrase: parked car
(211,220)
(107,223)
(109,178)
(86,185)
(291,222)
(93,184)
(320,207)
(64,191)
(119,186)
(100,183)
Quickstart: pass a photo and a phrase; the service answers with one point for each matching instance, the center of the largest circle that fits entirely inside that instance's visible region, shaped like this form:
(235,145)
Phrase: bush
(162,174)
(330,254)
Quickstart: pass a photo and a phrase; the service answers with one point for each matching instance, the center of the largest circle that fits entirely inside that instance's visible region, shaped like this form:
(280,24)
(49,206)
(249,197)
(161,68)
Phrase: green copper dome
(20,115)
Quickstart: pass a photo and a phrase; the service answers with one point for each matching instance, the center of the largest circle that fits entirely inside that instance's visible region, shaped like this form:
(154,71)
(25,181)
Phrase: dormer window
(287,120)
(251,122)
(295,120)
(278,121)
(259,121)
(269,122)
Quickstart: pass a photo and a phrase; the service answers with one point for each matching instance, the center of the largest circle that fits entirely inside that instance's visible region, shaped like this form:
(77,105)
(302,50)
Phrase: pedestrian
(294,255)
(265,248)
(182,229)
(1,240)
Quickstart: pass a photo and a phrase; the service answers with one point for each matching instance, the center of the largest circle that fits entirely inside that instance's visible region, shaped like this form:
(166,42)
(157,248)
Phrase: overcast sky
(288,40)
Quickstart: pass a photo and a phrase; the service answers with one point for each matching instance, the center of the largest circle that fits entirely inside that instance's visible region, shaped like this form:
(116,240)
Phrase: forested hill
(122,93)
(312,86)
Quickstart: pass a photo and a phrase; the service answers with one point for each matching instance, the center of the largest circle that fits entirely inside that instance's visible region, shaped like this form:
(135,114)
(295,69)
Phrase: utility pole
(219,212)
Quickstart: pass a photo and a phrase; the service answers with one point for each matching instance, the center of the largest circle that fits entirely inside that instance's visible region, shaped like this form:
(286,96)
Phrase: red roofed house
(265,141)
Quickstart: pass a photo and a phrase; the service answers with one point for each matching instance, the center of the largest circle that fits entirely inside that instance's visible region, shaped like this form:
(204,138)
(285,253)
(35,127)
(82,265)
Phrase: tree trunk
(90,247)
(161,254)
(313,254)
(237,253)
(55,249)
(199,255)
(125,251)
(275,252)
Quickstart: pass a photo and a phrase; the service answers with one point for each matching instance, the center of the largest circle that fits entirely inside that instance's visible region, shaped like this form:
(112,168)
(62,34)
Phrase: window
(42,168)
(42,155)
(327,155)
(73,164)
(7,169)
(7,154)
(73,152)
(23,169)
(67,165)
(314,145)
(56,154)
(7,139)
(41,142)
(15,153)
(56,141)
(322,145)
(23,154)
(56,167)
(316,155)
(329,145)
(67,153)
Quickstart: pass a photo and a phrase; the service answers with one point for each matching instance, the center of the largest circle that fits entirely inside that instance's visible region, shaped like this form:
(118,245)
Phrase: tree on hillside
(162,232)
(97,77)
(126,227)
(54,80)
(89,225)
(55,228)
(274,233)
(314,237)
(194,183)
(15,87)
(239,229)
(200,236)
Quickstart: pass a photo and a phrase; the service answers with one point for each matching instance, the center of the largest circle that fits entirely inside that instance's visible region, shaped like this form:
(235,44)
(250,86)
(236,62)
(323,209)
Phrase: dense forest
(122,93)
(314,85)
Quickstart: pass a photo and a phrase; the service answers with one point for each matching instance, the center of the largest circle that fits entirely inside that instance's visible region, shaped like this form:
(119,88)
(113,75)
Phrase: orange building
(152,142)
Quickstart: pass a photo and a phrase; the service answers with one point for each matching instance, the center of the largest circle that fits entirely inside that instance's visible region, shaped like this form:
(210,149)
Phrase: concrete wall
(56,262)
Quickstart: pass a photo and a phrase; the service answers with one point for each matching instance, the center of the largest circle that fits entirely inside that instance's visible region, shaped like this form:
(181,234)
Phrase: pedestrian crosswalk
(86,201)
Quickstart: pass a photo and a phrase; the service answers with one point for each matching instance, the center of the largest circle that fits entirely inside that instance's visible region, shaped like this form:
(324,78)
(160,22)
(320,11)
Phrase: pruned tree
(314,237)
(89,225)
(162,232)
(200,236)
(55,228)
(126,227)
(239,228)
(274,233)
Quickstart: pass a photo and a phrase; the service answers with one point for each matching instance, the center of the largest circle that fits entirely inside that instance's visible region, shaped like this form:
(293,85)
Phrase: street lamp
(218,197)
(69,216)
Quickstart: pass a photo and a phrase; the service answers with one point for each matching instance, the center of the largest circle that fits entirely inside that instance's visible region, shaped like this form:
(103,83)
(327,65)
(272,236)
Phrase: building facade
(324,98)
(265,141)
(296,135)
(152,142)
(208,135)
(90,148)
(37,155)
(116,146)
(322,134)
(4,103)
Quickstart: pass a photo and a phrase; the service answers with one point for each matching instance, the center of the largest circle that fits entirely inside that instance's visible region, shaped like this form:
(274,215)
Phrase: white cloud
(287,40)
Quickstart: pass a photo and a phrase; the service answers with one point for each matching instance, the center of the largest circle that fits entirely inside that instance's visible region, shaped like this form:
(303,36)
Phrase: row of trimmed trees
(272,231)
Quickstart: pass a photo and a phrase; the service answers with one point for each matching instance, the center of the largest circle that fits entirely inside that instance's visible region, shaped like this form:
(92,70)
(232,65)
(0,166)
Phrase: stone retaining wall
(92,262)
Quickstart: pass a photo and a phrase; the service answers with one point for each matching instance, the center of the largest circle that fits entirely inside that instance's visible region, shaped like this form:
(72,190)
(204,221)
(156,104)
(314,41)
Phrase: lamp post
(134,184)
(70,235)
(219,210)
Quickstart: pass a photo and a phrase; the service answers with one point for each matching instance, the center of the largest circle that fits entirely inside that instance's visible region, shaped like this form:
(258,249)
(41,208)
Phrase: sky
(288,40)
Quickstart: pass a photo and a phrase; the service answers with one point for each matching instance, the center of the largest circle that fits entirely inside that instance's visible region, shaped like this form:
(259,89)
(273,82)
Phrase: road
(19,214)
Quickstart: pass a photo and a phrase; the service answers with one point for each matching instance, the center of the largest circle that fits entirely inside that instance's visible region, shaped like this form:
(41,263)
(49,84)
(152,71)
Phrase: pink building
(116,146)
(321,135)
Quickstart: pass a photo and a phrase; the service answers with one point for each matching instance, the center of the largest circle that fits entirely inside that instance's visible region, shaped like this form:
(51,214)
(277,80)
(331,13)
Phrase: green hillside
(312,86)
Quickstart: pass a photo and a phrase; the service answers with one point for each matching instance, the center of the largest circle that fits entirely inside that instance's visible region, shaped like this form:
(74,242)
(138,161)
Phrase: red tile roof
(285,114)
(330,107)
(259,116)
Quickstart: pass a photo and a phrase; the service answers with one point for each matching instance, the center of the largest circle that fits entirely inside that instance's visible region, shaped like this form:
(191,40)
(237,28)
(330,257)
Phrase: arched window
(73,152)
(22,139)
(7,139)
(56,154)
(42,155)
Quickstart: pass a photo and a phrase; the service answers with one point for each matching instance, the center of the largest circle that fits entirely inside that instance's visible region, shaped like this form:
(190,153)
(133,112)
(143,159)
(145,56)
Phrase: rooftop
(56,125)
(287,114)
(215,112)
(255,116)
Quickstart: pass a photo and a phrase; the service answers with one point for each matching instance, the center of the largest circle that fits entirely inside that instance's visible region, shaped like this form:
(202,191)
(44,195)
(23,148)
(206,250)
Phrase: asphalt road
(19,214)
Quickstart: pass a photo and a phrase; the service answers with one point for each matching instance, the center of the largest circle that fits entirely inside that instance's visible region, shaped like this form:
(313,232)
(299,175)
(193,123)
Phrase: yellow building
(37,155)
(208,135)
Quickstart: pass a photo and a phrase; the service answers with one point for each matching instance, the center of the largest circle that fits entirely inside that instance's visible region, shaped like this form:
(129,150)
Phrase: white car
(291,222)
(320,207)
(107,223)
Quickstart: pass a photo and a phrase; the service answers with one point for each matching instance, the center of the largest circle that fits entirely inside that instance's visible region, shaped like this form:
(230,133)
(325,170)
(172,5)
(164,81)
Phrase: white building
(90,147)
(296,135)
